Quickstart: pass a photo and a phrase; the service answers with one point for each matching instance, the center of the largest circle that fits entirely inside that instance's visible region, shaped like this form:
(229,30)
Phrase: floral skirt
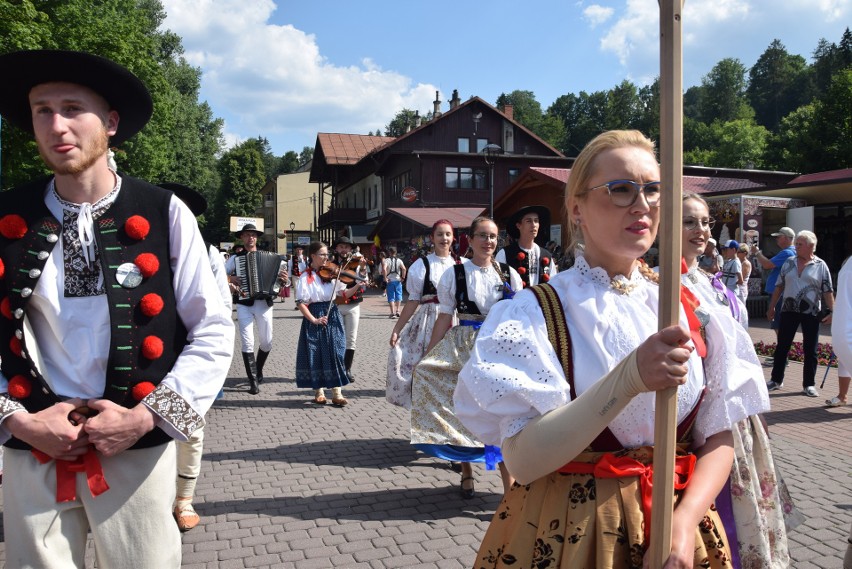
(760,501)
(578,521)
(408,351)
(433,419)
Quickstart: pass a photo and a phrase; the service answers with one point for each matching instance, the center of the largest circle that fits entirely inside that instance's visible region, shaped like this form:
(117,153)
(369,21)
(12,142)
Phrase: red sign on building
(408,194)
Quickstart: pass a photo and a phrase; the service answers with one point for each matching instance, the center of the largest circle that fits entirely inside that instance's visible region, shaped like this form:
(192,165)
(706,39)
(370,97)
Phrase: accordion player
(258,275)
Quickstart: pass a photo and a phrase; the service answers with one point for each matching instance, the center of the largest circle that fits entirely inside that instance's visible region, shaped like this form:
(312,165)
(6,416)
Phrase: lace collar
(599,276)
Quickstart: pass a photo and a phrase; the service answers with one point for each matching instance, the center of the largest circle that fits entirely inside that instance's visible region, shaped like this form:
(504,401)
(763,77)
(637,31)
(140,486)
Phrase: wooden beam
(671,166)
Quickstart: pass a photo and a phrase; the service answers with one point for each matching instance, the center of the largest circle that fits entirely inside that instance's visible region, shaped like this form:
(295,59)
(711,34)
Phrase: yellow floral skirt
(577,521)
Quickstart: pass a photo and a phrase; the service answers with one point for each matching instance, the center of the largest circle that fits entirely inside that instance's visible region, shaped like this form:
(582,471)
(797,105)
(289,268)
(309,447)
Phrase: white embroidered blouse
(310,288)
(514,375)
(484,287)
(416,275)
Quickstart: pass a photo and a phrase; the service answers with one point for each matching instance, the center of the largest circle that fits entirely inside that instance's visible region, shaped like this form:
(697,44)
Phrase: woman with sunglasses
(413,329)
(322,340)
(755,499)
(469,291)
(563,378)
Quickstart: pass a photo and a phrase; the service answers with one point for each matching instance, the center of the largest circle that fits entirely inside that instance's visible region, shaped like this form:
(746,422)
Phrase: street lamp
(292,237)
(491,151)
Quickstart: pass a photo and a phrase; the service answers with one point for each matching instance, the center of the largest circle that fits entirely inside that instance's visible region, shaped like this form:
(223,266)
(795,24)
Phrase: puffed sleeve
(447,292)
(736,388)
(513,373)
(414,280)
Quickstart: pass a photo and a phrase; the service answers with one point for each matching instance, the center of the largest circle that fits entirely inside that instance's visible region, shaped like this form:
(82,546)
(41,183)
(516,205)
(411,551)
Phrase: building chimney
(455,101)
(437,102)
(417,120)
(509,111)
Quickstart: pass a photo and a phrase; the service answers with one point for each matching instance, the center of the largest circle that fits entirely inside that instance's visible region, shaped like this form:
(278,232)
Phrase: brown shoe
(339,401)
(186,517)
(319,400)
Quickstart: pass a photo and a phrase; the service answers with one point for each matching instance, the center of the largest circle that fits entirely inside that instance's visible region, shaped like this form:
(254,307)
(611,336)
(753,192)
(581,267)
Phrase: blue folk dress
(319,356)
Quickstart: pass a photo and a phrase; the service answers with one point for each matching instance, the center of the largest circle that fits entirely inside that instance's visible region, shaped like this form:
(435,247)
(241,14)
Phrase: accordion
(258,274)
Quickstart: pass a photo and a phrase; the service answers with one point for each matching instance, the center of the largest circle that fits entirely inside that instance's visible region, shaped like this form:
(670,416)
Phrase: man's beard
(94,150)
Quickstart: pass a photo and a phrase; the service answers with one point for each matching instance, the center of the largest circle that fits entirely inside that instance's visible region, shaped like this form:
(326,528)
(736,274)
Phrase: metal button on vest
(128,275)
(34,273)
(52,238)
(42,255)
(19,313)
(19,334)
(26,291)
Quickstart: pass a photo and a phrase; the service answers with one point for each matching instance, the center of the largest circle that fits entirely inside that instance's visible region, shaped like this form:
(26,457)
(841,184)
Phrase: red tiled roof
(846,173)
(706,184)
(558,174)
(343,149)
(426,216)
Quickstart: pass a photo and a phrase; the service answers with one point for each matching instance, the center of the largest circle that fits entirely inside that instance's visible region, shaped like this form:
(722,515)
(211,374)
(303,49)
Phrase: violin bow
(334,282)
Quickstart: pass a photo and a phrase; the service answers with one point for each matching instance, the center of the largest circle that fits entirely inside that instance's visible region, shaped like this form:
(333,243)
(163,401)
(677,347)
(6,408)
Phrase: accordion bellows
(258,274)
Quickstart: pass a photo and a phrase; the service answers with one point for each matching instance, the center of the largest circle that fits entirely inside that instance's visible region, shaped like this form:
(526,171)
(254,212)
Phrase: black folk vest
(24,254)
(522,266)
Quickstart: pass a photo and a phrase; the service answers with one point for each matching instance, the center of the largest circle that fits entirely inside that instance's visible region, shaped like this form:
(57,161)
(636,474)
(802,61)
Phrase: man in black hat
(350,306)
(189,452)
(251,311)
(533,263)
(105,288)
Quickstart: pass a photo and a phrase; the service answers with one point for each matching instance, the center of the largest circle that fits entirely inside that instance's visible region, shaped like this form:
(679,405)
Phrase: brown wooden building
(369,182)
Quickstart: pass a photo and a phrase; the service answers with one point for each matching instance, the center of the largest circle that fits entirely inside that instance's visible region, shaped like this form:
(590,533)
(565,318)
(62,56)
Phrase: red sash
(66,474)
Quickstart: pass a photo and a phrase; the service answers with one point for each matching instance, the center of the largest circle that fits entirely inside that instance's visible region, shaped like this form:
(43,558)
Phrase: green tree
(243,176)
(791,148)
(289,162)
(833,122)
(306,155)
(724,92)
(527,111)
(623,107)
(778,84)
(649,116)
(401,123)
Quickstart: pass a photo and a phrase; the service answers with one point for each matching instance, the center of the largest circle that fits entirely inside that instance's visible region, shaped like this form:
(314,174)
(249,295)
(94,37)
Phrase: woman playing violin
(321,348)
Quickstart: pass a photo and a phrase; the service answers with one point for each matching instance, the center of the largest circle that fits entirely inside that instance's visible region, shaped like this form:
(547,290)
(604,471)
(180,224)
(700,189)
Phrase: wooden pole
(671,166)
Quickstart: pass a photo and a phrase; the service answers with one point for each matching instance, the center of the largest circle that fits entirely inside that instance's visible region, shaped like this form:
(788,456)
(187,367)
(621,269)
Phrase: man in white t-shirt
(393,270)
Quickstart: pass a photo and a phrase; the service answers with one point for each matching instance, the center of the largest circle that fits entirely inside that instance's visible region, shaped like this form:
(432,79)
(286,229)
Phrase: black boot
(251,372)
(348,356)
(261,359)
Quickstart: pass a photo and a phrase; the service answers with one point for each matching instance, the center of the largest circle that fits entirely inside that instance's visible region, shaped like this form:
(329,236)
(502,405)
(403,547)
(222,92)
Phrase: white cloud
(597,14)
(272,79)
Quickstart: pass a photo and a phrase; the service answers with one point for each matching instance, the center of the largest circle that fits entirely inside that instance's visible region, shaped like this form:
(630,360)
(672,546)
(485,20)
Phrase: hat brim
(194,200)
(511,223)
(124,92)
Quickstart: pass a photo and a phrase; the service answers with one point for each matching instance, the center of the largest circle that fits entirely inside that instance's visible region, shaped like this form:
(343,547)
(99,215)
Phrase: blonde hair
(584,168)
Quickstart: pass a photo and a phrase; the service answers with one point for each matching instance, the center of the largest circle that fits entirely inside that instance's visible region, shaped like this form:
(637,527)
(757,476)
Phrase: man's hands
(116,428)
(662,358)
(52,430)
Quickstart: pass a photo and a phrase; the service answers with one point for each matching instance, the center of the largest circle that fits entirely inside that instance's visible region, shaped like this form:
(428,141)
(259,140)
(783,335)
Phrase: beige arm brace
(548,442)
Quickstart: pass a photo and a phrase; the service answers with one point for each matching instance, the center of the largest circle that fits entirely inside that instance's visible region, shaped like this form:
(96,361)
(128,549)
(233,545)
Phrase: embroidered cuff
(174,410)
(8,406)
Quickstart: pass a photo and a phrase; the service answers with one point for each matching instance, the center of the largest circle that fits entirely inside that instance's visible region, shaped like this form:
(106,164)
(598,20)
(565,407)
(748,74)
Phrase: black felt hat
(123,91)
(249,227)
(194,200)
(515,218)
(343,239)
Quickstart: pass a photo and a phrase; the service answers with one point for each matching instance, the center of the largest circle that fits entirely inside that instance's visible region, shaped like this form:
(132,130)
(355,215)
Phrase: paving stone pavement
(286,483)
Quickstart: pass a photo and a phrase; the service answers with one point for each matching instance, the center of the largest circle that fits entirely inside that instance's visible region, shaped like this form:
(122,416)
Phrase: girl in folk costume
(470,290)
(413,330)
(754,502)
(322,341)
(563,379)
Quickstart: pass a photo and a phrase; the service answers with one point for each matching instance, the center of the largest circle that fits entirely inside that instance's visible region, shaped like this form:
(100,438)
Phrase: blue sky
(289,69)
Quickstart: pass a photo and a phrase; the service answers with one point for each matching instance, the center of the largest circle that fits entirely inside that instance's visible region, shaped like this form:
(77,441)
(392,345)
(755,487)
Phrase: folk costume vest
(147,334)
(464,305)
(519,260)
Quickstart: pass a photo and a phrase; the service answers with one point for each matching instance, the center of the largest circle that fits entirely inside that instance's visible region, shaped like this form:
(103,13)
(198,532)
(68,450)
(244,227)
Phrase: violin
(328,272)
(349,273)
